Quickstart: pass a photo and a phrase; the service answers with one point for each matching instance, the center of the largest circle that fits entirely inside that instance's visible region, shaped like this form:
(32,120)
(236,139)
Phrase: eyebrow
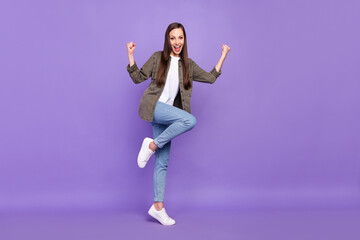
(174,36)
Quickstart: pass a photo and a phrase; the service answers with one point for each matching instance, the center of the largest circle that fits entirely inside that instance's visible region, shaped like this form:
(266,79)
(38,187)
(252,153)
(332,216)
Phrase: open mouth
(177,48)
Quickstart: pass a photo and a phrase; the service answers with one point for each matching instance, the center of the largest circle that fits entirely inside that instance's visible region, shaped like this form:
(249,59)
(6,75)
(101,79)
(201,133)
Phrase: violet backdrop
(279,127)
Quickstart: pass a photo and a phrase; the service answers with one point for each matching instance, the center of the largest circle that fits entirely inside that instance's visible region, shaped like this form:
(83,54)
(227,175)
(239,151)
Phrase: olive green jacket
(152,94)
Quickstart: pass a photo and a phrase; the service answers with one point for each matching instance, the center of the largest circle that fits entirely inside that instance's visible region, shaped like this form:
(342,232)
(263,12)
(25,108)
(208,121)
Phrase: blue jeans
(168,122)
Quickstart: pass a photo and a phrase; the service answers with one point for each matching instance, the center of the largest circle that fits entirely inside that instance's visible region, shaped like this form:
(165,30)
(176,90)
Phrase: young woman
(166,103)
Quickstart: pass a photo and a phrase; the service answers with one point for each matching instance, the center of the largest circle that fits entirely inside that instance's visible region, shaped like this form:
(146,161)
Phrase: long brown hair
(165,56)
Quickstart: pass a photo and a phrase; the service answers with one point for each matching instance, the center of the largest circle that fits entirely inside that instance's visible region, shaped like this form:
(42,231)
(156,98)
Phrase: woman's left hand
(225,49)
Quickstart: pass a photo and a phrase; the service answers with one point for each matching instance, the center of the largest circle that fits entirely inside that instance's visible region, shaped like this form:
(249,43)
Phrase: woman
(166,103)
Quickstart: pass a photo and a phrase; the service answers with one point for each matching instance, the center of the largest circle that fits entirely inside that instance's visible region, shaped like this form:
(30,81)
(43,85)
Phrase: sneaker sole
(140,163)
(149,212)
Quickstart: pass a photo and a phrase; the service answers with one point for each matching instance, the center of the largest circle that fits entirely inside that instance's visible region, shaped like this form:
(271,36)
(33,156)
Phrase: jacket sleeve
(144,73)
(200,75)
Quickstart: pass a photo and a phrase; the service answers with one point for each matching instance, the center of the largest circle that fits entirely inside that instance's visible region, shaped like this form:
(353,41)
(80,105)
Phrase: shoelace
(166,215)
(149,155)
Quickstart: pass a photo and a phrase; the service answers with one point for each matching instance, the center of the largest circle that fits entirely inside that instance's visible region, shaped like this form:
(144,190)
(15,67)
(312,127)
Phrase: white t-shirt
(171,87)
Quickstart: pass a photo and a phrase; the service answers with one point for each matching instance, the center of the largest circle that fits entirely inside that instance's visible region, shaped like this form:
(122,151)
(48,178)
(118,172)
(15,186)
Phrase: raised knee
(191,122)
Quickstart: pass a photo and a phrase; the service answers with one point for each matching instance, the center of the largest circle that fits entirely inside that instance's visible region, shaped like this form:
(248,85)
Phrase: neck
(172,54)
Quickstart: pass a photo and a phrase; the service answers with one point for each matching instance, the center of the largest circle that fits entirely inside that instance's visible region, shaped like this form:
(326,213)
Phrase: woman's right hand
(130,48)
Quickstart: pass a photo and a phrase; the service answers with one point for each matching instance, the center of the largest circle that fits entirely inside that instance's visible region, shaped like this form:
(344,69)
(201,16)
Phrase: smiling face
(176,37)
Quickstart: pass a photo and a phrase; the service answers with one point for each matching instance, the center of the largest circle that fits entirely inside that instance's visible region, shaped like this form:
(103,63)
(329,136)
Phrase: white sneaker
(145,153)
(161,216)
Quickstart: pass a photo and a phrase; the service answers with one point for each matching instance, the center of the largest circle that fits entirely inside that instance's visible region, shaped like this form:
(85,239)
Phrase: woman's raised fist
(225,49)
(130,48)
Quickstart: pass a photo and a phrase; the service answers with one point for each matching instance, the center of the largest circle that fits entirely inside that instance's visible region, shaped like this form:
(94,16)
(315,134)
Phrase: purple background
(278,129)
